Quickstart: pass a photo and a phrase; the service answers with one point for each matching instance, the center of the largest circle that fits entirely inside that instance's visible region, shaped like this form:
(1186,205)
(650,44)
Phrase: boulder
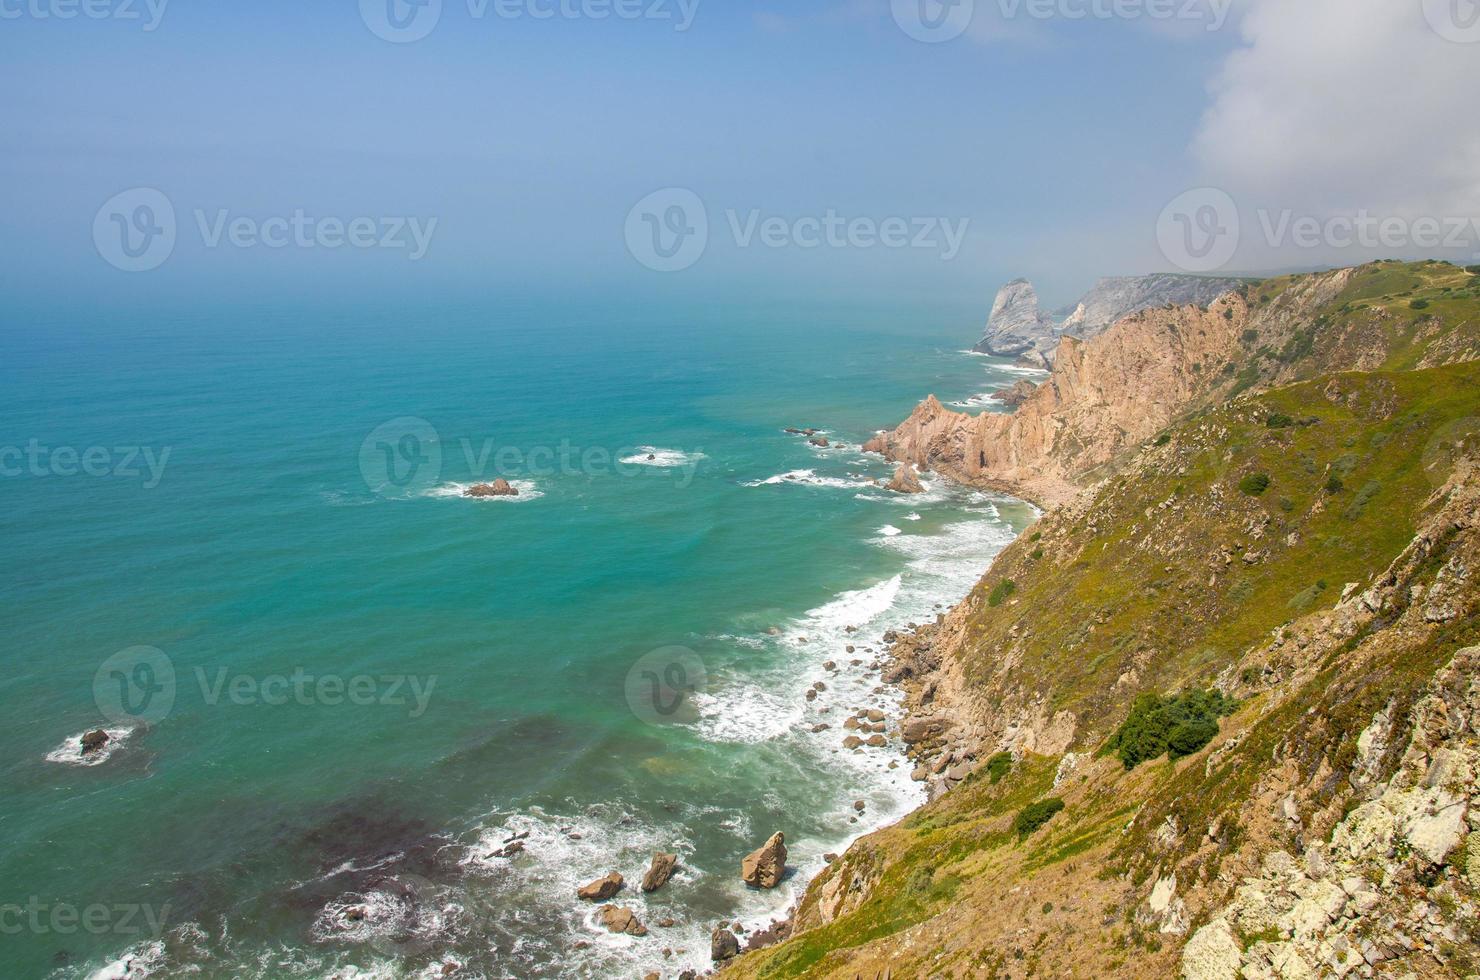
(617,919)
(819,441)
(920,729)
(498,488)
(723,945)
(659,871)
(764,867)
(93,741)
(601,889)
(905,480)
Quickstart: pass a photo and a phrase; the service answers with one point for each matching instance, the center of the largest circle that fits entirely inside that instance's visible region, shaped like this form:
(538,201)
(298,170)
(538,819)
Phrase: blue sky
(1054,143)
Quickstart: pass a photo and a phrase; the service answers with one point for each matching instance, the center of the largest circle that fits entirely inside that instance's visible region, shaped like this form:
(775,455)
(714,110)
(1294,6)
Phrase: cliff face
(1303,542)
(1019,328)
(1016,325)
(1116,297)
(1124,386)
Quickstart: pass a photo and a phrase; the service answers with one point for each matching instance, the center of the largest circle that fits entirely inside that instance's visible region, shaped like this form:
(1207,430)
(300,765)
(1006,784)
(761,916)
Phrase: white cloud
(1337,105)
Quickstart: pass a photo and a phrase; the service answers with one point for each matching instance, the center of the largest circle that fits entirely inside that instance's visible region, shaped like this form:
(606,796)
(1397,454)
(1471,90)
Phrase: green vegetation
(1279,420)
(1001,592)
(1176,726)
(1163,439)
(1419,304)
(998,766)
(1254,484)
(1035,815)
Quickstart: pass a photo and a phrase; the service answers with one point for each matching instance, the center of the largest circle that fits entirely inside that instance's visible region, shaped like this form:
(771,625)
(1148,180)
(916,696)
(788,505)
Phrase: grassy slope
(1146,588)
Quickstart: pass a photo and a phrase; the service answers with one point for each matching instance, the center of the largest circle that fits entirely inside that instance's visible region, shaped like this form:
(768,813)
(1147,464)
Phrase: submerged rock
(764,867)
(498,488)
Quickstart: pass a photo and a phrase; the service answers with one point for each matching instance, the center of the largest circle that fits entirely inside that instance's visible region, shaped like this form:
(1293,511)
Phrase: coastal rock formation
(601,889)
(723,945)
(659,871)
(1016,395)
(905,480)
(764,867)
(1116,297)
(615,918)
(1016,324)
(498,488)
(93,741)
(1018,328)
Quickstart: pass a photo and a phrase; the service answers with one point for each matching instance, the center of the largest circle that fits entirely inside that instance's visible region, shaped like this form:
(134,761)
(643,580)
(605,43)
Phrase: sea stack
(905,480)
(764,867)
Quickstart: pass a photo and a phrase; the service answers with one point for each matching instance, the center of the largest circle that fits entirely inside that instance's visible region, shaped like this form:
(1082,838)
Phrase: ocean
(364,726)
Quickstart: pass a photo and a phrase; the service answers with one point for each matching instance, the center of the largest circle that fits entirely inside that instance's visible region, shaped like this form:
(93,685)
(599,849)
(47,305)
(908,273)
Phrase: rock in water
(764,867)
(621,920)
(93,741)
(659,871)
(498,488)
(723,945)
(1016,395)
(601,889)
(905,480)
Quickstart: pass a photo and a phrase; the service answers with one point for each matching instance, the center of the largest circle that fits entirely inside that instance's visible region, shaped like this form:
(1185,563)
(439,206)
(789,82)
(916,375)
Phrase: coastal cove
(498,762)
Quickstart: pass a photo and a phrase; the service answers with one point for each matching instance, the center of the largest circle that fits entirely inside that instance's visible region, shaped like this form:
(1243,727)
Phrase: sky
(708,149)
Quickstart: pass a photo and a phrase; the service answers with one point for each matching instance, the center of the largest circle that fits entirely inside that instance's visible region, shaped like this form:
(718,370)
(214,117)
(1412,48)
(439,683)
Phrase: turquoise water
(376,681)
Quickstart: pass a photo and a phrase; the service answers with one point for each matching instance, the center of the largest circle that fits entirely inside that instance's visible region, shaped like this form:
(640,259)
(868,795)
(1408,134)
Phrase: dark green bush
(998,766)
(1279,420)
(1035,815)
(999,594)
(1254,484)
(1419,304)
(1334,484)
(1163,439)
(1249,336)
(1176,726)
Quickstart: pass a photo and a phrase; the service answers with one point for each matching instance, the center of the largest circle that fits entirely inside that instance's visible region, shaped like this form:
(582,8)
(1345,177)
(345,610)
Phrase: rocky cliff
(1123,386)
(1017,326)
(1217,715)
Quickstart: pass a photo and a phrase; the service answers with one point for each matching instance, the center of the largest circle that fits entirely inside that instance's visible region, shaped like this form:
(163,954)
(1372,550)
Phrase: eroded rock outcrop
(498,488)
(659,871)
(763,867)
(601,889)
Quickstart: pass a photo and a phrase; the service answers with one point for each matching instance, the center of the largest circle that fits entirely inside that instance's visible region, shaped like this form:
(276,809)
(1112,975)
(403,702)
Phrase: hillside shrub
(1419,304)
(1279,420)
(998,766)
(1163,439)
(1254,484)
(1176,726)
(1249,336)
(1035,815)
(1334,484)
(999,594)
